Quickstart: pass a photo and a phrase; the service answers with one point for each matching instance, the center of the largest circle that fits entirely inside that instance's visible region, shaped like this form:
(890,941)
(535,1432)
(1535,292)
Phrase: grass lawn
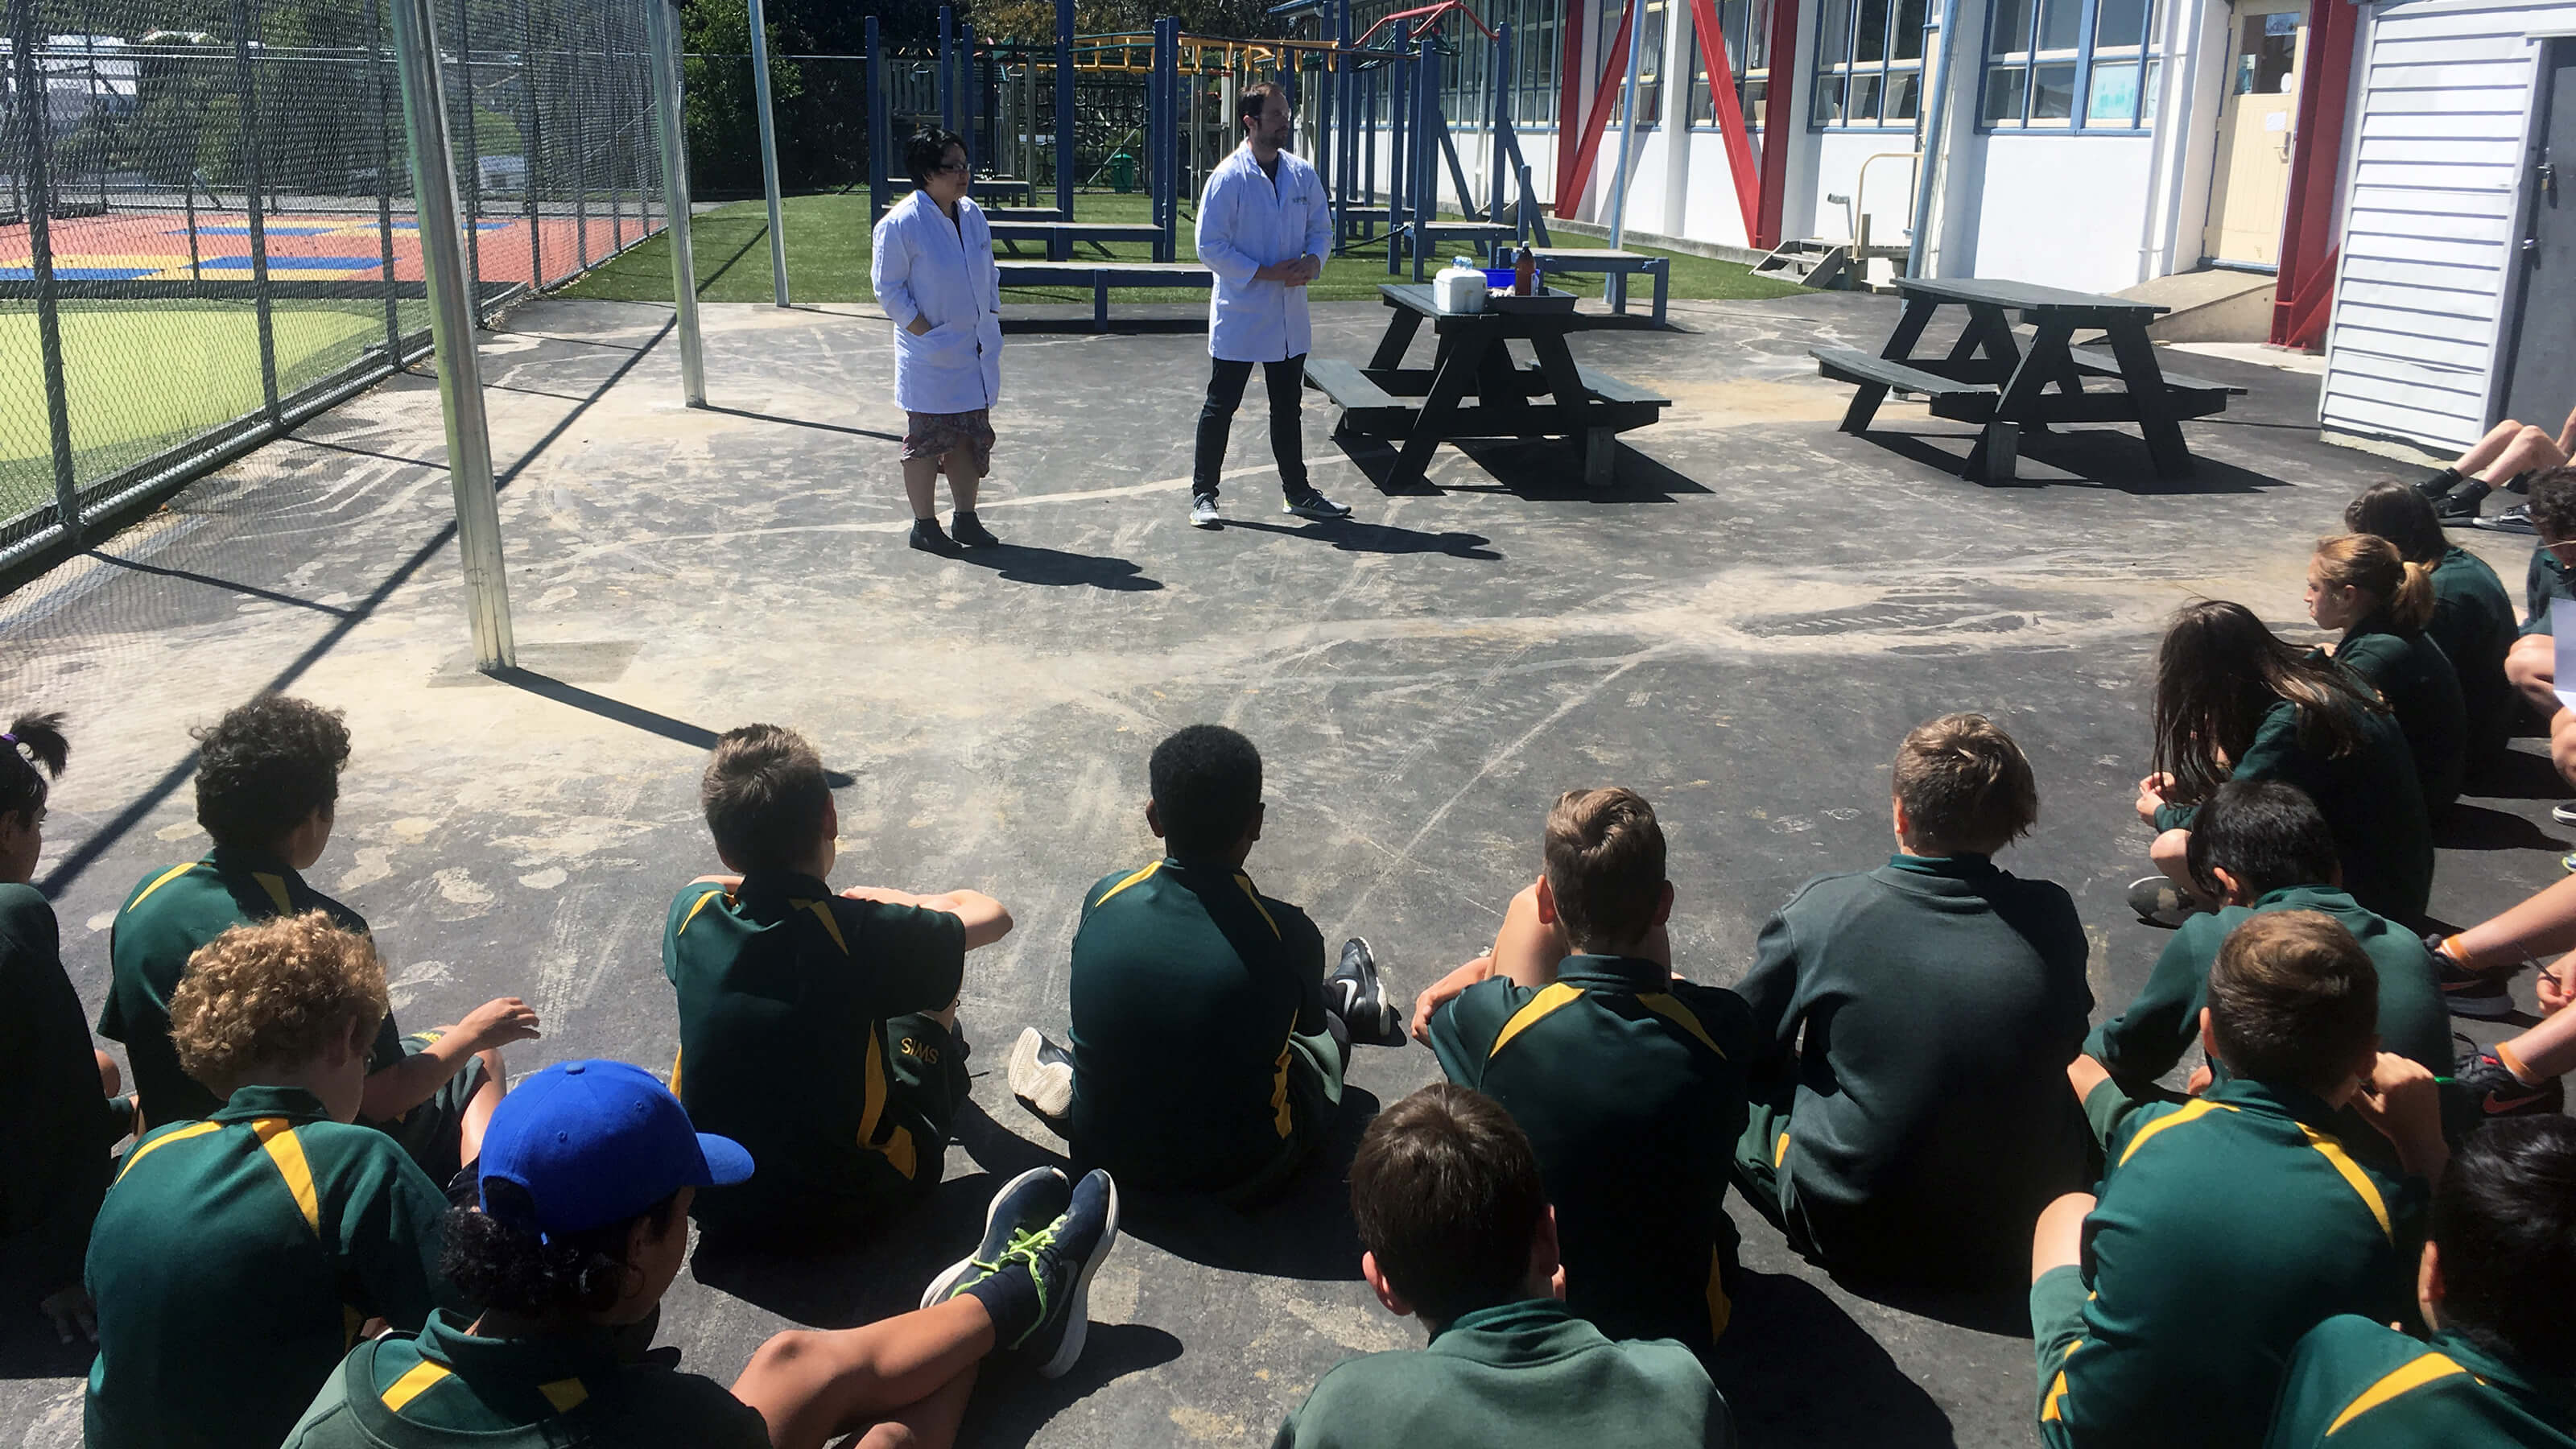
(140,377)
(827,260)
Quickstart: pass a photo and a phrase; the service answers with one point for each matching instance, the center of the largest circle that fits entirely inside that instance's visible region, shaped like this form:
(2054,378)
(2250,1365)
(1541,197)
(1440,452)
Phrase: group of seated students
(328,1232)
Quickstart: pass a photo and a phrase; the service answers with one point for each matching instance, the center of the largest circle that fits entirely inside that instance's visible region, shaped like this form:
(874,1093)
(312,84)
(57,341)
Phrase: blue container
(1499,277)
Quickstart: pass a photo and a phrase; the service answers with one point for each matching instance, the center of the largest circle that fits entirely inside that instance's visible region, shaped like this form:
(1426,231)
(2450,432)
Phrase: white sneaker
(1203,510)
(2564,813)
(1041,1075)
(1314,505)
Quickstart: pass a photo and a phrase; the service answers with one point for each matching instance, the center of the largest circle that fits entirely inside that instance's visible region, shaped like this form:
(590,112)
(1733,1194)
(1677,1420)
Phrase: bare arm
(985,918)
(406,1084)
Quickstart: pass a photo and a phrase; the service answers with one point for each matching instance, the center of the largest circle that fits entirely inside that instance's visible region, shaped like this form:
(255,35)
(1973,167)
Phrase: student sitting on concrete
(268,788)
(1208,1042)
(236,1258)
(854,995)
(2520,1076)
(2233,1223)
(2235,703)
(1630,1084)
(1910,1116)
(2358,584)
(2495,1285)
(2504,457)
(2473,618)
(582,1224)
(59,1108)
(2532,665)
(2260,846)
(1454,1221)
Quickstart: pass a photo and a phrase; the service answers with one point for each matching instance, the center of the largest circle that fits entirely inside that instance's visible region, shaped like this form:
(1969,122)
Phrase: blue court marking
(80,274)
(272,230)
(478,226)
(301,264)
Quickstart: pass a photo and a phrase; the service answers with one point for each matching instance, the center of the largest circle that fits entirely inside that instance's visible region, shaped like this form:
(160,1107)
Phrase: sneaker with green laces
(1032,1272)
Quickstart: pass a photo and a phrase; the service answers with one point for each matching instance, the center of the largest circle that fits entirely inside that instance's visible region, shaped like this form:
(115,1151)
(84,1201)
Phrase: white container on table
(1459,287)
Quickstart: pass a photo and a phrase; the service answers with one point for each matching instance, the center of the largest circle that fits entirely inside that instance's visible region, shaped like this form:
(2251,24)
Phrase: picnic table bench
(1060,236)
(1616,266)
(1101,277)
(1988,378)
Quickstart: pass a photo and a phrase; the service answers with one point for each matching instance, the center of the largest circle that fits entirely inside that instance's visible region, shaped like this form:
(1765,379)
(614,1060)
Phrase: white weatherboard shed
(2456,301)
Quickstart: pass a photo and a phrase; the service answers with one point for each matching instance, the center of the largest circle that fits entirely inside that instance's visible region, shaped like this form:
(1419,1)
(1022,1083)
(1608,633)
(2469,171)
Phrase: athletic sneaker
(970,531)
(1053,1262)
(2516,519)
(2499,1093)
(1041,1076)
(929,538)
(1036,1196)
(2435,485)
(2159,902)
(1357,997)
(1203,510)
(2567,862)
(2564,812)
(1311,504)
(2485,995)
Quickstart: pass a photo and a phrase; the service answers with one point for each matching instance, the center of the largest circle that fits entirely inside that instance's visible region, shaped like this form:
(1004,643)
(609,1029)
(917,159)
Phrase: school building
(2387,166)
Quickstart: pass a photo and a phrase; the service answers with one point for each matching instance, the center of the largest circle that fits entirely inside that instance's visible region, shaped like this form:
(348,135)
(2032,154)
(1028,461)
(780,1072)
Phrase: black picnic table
(1991,378)
(1475,389)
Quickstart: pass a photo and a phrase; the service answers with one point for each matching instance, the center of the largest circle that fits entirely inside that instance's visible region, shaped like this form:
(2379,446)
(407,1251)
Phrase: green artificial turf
(827,260)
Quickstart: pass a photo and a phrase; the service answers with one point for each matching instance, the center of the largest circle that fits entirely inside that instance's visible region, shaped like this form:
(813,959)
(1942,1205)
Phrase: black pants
(1285,380)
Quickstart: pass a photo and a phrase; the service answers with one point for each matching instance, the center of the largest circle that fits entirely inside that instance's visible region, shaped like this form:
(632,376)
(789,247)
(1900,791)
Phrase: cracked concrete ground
(1741,629)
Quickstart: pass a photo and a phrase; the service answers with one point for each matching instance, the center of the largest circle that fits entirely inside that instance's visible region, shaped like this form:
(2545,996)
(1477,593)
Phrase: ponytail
(32,748)
(2412,608)
(2367,562)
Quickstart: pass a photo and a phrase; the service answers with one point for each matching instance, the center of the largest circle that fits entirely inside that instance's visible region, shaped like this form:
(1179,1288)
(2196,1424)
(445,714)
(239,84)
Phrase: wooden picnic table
(1990,378)
(1475,389)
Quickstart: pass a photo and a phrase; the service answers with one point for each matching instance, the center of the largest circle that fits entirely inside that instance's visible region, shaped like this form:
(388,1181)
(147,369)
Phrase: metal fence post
(580,152)
(473,155)
(768,152)
(532,150)
(247,80)
(675,196)
(452,325)
(384,181)
(38,201)
(880,119)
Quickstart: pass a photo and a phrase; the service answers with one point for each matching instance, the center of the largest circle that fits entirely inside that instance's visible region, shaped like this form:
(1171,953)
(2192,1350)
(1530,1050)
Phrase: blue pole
(947,68)
(880,119)
(1063,107)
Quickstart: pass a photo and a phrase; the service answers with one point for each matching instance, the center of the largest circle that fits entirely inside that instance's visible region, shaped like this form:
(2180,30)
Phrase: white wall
(2064,211)
(2429,223)
(1888,192)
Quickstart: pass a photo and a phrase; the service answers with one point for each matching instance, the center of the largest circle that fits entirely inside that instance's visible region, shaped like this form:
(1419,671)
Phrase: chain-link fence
(207,231)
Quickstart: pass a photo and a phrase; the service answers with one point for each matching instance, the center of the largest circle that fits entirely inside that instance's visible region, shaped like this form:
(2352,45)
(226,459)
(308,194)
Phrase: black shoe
(2438,484)
(1355,994)
(2516,519)
(2459,509)
(927,536)
(2499,1093)
(970,531)
(2485,995)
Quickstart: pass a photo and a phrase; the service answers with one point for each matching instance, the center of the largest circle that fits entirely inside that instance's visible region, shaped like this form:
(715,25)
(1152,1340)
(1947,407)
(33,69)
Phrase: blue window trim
(2081,99)
(1889,64)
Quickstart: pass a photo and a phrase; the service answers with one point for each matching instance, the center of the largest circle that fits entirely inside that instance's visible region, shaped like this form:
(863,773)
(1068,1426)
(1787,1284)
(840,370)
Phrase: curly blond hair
(274,994)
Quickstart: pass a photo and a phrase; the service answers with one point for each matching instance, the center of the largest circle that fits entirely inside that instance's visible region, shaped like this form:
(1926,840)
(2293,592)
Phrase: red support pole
(1777,121)
(1569,193)
(1730,116)
(2308,248)
(1569,94)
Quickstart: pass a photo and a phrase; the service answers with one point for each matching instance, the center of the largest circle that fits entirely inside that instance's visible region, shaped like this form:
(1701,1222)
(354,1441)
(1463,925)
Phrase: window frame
(1757,18)
(1820,71)
(1652,70)
(2144,57)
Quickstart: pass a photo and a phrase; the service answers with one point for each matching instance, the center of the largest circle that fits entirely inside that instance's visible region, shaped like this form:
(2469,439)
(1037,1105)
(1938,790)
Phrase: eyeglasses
(955,167)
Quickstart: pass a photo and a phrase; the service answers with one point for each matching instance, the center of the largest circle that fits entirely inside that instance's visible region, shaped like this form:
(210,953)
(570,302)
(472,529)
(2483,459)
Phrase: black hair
(2267,834)
(1446,1194)
(266,766)
(2505,1220)
(1253,100)
(40,750)
(925,149)
(2396,512)
(497,1262)
(1206,781)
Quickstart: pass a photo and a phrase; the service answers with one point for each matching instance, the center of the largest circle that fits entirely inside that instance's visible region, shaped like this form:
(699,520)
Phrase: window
(1869,63)
(1466,99)
(1651,16)
(1746,25)
(2039,62)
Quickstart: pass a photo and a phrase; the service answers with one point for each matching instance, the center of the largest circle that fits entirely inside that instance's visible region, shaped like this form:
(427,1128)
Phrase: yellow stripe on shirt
(1670,1008)
(2332,1150)
(2413,1375)
(1254,896)
(2198,1109)
(831,924)
(1549,998)
(1143,875)
(156,1144)
(416,1380)
(167,876)
(700,906)
(276,887)
(565,1394)
(277,1138)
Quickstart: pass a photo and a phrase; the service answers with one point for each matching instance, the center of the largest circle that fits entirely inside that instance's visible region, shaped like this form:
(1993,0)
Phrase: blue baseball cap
(596,1142)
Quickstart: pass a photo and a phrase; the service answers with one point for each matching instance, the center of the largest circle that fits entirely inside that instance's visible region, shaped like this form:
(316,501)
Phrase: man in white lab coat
(1263,229)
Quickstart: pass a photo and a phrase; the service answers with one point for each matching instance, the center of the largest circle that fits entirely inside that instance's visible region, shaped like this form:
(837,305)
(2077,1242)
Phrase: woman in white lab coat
(934,275)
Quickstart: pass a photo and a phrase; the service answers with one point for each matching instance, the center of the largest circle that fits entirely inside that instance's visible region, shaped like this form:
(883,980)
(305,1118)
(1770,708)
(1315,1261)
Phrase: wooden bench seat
(1850,364)
(2103,364)
(1610,389)
(1347,385)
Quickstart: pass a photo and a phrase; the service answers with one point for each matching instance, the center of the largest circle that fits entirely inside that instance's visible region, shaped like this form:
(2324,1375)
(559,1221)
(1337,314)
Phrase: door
(2541,386)
(2250,184)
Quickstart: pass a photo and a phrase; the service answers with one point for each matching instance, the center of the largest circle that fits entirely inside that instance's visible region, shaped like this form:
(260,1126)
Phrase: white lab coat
(1246,224)
(942,271)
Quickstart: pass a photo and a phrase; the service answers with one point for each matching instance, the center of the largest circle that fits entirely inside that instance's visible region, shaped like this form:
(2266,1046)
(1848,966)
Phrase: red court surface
(302,246)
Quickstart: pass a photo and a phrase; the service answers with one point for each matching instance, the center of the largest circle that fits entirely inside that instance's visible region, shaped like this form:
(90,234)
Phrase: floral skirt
(935,435)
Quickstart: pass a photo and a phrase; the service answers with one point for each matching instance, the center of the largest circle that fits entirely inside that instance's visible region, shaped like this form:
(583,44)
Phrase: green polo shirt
(2473,622)
(2355,1384)
(235,1258)
(2545,580)
(2411,672)
(1924,1013)
(784,992)
(1526,1375)
(2162,1024)
(56,1126)
(2229,1225)
(1631,1088)
(171,913)
(446,1387)
(1187,984)
(2369,798)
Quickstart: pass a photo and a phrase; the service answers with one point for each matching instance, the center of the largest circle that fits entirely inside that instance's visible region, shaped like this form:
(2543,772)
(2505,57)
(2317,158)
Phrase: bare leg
(2058,1240)
(110,1080)
(813,1386)
(2547,1050)
(2487,449)
(1527,949)
(921,485)
(2170,854)
(2562,744)
(479,1107)
(930,1424)
(963,477)
(2529,450)
(2531,666)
